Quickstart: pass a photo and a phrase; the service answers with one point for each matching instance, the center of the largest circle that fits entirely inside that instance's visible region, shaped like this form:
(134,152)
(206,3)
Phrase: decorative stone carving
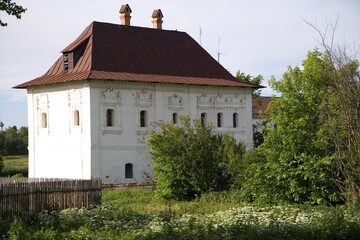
(204,100)
(74,103)
(110,93)
(175,101)
(42,106)
(236,100)
(42,100)
(141,140)
(144,98)
(74,95)
(220,99)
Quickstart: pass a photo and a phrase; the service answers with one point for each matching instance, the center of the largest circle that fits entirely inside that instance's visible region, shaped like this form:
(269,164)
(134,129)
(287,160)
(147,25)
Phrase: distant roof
(118,52)
(261,103)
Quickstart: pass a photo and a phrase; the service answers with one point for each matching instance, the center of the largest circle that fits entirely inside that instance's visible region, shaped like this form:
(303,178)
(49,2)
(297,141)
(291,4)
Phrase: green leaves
(248,78)
(11,8)
(294,164)
(190,160)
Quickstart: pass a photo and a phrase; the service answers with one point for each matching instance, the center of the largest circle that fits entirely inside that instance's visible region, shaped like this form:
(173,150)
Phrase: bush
(295,162)
(190,160)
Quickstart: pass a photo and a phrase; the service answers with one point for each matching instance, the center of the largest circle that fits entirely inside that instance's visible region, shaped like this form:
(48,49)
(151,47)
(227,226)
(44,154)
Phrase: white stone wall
(93,149)
(124,142)
(60,149)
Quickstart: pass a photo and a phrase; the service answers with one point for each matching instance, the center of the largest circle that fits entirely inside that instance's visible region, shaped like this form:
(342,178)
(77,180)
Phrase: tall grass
(136,214)
(15,165)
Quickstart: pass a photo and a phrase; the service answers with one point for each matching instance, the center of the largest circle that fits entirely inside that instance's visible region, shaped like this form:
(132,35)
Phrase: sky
(253,36)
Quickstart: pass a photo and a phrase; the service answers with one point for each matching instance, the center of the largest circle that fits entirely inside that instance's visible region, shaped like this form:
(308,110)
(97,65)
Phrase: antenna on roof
(200,33)
(219,53)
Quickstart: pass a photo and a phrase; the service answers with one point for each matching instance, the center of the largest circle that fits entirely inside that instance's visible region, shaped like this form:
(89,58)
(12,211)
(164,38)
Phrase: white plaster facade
(69,136)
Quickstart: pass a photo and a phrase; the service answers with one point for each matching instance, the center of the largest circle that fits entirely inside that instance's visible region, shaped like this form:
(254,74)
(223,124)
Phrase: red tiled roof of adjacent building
(128,53)
(260,104)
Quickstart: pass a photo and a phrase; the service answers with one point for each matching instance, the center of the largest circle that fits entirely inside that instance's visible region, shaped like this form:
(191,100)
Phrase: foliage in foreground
(295,163)
(251,79)
(168,222)
(11,8)
(189,159)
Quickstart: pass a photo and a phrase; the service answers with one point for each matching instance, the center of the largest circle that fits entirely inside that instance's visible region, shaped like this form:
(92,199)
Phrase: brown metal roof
(261,103)
(118,52)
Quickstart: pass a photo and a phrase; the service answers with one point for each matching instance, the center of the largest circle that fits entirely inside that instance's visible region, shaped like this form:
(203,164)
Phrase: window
(203,119)
(109,117)
(143,118)
(235,120)
(219,120)
(175,118)
(66,62)
(76,118)
(43,120)
(128,170)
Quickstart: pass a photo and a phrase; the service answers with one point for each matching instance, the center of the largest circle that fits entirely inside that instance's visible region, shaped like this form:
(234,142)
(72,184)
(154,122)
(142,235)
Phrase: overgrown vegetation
(137,214)
(295,163)
(341,115)
(190,160)
(310,153)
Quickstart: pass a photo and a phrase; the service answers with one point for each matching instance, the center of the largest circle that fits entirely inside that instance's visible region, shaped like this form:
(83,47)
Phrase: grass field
(136,214)
(15,165)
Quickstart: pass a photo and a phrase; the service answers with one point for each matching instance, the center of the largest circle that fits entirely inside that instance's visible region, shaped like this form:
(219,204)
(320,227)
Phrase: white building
(90,114)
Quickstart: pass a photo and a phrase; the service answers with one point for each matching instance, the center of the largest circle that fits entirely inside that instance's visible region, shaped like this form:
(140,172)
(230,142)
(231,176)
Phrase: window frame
(235,119)
(76,120)
(220,120)
(175,118)
(109,117)
(143,118)
(203,119)
(44,120)
(129,171)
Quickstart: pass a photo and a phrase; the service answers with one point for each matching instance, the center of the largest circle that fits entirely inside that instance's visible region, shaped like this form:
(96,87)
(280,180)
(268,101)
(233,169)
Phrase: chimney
(125,11)
(157,19)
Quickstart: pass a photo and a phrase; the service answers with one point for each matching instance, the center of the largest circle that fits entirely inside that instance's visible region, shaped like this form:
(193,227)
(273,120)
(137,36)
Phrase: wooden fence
(18,195)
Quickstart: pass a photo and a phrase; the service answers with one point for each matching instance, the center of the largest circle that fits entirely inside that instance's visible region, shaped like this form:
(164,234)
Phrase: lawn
(136,214)
(15,165)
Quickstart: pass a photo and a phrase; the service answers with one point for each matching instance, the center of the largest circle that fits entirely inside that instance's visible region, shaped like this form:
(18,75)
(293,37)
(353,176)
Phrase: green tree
(11,8)
(295,162)
(1,152)
(341,116)
(22,140)
(341,111)
(255,80)
(11,140)
(14,141)
(190,160)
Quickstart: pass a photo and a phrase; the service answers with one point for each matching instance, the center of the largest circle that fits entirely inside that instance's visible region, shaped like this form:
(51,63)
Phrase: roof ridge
(83,37)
